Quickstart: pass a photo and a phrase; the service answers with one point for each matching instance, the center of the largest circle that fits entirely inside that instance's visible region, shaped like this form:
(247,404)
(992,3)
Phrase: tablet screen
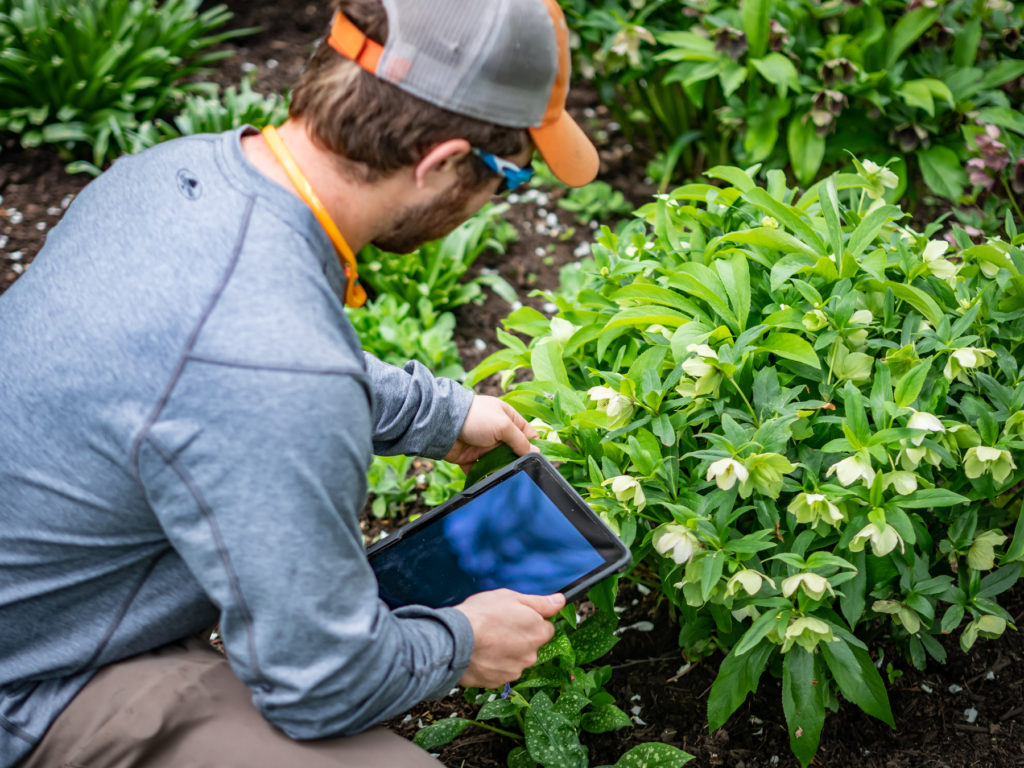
(511,535)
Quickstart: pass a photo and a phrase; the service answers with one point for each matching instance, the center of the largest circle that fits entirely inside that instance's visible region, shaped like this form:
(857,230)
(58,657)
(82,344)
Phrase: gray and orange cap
(502,61)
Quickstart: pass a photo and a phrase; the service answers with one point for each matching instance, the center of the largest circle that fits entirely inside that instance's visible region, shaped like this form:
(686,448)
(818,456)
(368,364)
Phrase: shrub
(200,113)
(76,74)
(805,418)
(796,83)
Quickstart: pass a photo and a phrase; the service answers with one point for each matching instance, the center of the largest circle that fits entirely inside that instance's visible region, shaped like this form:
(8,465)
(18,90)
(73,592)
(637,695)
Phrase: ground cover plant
(796,83)
(804,416)
(77,74)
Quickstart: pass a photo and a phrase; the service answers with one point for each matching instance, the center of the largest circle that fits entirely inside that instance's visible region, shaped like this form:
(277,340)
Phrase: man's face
(419,224)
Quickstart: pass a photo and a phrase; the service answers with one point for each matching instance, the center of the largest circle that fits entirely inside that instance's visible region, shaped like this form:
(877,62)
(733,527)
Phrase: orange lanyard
(355,295)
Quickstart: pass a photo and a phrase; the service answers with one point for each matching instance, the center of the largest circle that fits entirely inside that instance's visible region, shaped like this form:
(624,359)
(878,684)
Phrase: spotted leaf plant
(804,416)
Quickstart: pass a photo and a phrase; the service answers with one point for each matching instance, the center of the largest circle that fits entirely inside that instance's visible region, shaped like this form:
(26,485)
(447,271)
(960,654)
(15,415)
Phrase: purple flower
(730,41)
(506,691)
(1017,177)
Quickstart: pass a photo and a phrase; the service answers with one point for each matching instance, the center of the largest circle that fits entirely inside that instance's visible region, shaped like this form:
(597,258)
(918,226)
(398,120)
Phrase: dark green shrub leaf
(653,756)
(606,717)
(804,693)
(595,637)
(857,678)
(552,740)
(737,677)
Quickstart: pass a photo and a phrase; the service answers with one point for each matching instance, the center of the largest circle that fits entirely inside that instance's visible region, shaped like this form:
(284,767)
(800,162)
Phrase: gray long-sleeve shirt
(186,418)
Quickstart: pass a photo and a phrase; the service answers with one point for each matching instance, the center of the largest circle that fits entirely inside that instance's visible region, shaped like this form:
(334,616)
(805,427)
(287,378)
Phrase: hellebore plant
(805,424)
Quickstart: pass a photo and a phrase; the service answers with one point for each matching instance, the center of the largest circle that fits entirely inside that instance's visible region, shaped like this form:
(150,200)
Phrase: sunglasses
(512,176)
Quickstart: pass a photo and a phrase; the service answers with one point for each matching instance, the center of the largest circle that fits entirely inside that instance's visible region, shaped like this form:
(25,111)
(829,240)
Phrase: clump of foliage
(398,332)
(76,74)
(555,701)
(796,83)
(806,417)
(396,483)
(437,271)
(200,113)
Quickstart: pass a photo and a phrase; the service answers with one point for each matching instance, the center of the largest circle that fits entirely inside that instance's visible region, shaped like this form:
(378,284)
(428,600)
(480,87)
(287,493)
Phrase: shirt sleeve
(414,412)
(257,478)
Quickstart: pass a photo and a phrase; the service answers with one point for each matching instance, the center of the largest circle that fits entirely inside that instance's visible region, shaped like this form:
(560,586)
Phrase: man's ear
(441,159)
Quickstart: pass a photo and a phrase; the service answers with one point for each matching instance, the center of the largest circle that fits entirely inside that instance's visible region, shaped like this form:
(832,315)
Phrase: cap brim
(566,149)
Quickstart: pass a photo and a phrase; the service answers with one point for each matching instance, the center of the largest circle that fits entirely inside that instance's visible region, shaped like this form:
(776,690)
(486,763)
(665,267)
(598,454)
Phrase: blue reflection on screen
(510,536)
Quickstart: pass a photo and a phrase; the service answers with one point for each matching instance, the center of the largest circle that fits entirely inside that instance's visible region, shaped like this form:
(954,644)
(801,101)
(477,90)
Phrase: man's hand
(490,421)
(508,629)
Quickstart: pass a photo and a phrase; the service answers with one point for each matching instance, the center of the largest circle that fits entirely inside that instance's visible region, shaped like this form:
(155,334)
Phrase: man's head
(491,72)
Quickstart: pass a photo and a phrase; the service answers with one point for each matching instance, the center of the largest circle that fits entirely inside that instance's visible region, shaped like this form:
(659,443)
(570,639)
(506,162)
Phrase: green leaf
(858,679)
(520,758)
(558,647)
(604,718)
(917,298)
(769,237)
(499,708)
(942,171)
(547,364)
(1004,117)
(653,755)
(552,740)
(804,693)
(869,227)
(806,148)
(754,14)
(735,176)
(910,384)
(737,678)
(440,733)
(595,637)
(779,71)
(791,218)
(791,347)
(930,498)
(907,30)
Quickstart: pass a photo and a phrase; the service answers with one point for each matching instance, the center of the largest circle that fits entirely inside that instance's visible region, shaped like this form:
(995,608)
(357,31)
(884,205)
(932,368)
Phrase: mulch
(967,713)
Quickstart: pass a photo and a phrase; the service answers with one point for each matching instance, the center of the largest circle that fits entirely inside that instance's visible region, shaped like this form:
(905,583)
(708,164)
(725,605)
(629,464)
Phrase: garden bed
(968,712)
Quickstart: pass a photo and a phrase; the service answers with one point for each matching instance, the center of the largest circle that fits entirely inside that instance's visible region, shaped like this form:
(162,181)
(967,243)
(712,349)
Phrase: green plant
(806,417)
(76,74)
(595,202)
(797,83)
(397,482)
(397,332)
(554,701)
(200,113)
(437,270)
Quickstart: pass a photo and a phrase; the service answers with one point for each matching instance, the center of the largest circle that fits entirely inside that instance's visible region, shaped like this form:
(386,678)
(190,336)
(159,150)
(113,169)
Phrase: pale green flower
(925,422)
(852,469)
(725,473)
(964,436)
(627,43)
(902,614)
(807,632)
(911,456)
(702,367)
(618,407)
(562,330)
(769,222)
(747,579)
(983,459)
(981,556)
(814,320)
(545,431)
(855,366)
(987,626)
(765,474)
(962,361)
(814,585)
(626,488)
(810,508)
(862,317)
(883,539)
(879,177)
(937,265)
(676,541)
(905,483)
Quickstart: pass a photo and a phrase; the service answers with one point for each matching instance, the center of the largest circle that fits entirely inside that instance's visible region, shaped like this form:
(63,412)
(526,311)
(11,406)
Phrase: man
(186,416)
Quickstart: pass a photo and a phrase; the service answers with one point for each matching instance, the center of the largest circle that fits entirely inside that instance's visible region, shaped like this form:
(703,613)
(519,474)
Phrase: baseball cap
(502,61)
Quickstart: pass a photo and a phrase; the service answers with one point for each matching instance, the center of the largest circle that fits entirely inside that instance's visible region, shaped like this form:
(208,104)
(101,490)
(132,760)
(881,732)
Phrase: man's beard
(420,224)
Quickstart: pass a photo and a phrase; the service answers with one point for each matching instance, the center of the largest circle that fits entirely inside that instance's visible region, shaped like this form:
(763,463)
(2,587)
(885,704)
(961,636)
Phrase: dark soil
(649,670)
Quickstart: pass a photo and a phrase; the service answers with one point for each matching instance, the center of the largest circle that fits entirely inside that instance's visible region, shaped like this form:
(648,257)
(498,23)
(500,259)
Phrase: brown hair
(373,127)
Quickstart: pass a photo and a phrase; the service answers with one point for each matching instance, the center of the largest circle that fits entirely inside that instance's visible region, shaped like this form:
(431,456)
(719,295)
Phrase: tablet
(523,527)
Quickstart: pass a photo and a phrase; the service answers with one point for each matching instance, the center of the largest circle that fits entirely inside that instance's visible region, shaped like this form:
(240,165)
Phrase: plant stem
(745,400)
(1013,198)
(517,736)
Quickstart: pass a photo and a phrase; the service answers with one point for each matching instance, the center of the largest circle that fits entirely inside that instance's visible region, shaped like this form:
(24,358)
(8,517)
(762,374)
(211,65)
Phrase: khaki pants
(181,706)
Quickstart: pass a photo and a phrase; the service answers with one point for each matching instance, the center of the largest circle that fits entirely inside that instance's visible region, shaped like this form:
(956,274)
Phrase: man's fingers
(546,605)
